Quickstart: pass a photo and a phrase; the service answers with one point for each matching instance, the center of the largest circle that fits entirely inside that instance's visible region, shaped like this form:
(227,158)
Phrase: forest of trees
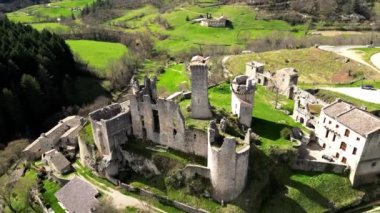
(35,68)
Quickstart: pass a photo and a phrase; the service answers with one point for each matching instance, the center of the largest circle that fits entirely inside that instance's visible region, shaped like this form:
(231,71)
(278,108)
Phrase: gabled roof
(77,196)
(59,161)
(360,121)
(337,108)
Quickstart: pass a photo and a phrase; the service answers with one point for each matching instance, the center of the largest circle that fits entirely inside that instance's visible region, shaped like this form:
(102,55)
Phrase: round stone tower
(200,107)
(228,161)
(243,90)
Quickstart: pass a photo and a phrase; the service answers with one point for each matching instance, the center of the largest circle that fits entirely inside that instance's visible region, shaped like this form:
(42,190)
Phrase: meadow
(51,11)
(175,78)
(98,55)
(314,66)
(184,34)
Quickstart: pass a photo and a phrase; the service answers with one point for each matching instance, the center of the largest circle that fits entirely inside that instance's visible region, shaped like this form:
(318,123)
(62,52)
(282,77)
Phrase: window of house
(337,155)
(324,120)
(327,133)
(347,133)
(354,151)
(324,145)
(337,126)
(373,164)
(334,137)
(329,122)
(344,160)
(343,146)
(195,136)
(358,139)
(174,132)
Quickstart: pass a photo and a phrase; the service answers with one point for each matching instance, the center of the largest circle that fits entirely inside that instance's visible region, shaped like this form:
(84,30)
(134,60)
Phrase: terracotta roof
(360,121)
(337,108)
(77,196)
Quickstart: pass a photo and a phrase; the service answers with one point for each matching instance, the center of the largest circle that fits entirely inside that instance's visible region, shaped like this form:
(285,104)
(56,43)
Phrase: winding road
(346,51)
(375,59)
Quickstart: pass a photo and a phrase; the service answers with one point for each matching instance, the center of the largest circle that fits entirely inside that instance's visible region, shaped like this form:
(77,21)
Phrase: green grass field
(367,53)
(52,27)
(49,195)
(175,78)
(185,34)
(267,121)
(98,55)
(313,192)
(53,10)
(313,65)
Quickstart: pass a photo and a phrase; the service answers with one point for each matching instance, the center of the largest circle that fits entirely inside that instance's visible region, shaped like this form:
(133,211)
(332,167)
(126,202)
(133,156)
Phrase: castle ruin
(200,107)
(242,92)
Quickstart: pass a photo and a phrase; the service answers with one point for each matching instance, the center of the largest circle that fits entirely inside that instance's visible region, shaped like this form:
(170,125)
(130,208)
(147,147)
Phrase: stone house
(351,136)
(284,80)
(307,108)
(62,136)
(214,22)
(57,162)
(77,196)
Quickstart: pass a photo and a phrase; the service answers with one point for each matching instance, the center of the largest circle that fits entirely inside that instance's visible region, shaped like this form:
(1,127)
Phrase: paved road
(372,96)
(346,51)
(375,59)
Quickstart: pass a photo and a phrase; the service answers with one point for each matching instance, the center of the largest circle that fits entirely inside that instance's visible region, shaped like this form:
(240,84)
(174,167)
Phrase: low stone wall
(162,199)
(318,166)
(191,170)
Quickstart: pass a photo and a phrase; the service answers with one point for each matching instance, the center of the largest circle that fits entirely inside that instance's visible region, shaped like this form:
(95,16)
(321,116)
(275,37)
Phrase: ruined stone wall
(191,170)
(228,168)
(253,68)
(200,107)
(318,166)
(110,125)
(86,153)
(195,142)
(170,130)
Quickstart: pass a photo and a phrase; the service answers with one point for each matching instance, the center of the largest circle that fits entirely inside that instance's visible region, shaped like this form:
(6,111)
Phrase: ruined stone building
(209,21)
(307,108)
(144,116)
(200,106)
(351,136)
(62,136)
(242,96)
(228,160)
(284,80)
(57,162)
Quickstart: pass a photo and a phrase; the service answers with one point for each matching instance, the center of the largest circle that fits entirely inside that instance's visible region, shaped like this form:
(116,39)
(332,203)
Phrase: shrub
(285,133)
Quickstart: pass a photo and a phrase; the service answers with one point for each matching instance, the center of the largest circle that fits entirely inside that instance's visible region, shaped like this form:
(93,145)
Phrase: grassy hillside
(175,78)
(183,34)
(97,54)
(314,66)
(53,10)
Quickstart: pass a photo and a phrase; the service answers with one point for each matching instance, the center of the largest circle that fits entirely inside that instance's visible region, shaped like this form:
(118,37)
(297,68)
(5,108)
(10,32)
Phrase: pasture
(98,55)
(184,34)
(314,66)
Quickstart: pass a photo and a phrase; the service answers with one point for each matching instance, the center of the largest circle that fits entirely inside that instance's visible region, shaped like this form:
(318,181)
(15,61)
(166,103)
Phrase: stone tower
(200,107)
(243,90)
(228,160)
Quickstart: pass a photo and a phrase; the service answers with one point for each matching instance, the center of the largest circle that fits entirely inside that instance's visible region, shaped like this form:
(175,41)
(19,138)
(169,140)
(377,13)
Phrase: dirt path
(346,51)
(372,96)
(375,59)
(122,201)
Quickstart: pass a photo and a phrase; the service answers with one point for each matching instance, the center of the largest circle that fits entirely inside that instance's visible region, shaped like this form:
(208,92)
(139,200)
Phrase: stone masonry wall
(200,108)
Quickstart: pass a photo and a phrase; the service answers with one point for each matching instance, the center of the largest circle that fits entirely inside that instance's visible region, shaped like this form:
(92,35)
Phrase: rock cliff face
(141,165)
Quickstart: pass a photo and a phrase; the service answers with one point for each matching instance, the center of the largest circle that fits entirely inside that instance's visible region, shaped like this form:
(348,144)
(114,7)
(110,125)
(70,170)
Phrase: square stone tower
(200,107)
